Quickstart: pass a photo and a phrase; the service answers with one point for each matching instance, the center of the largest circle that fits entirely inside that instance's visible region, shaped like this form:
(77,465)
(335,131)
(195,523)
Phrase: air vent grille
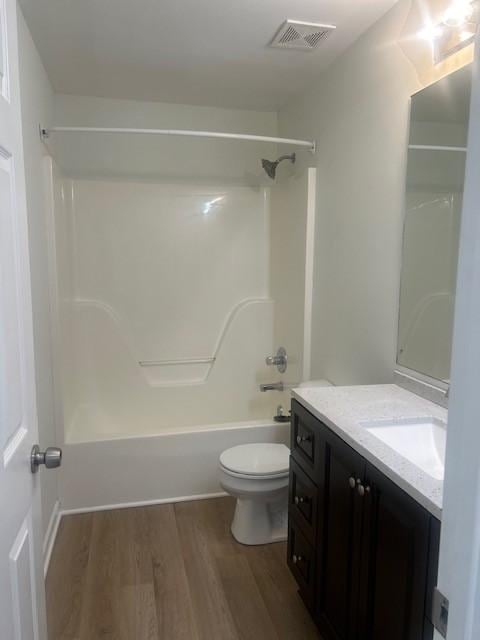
(301,35)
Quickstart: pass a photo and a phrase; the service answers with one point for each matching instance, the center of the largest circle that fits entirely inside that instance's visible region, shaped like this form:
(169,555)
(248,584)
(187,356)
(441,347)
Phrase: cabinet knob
(351,482)
(363,490)
(301,439)
(300,499)
(296,559)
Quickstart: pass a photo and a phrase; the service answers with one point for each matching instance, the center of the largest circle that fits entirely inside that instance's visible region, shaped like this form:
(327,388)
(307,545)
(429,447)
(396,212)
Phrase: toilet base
(258,522)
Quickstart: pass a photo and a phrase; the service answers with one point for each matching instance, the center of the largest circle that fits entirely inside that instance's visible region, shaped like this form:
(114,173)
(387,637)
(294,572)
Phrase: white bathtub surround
(165,312)
(354,412)
(177,465)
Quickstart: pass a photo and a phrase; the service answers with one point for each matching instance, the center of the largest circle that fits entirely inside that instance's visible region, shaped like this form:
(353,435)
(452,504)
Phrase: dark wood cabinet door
(395,551)
(341,520)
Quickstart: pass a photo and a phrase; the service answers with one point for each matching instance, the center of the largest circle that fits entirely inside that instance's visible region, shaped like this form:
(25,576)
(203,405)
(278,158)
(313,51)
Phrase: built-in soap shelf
(167,363)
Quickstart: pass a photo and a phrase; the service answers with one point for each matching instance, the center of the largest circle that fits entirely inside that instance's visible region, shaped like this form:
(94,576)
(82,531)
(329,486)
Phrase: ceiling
(204,52)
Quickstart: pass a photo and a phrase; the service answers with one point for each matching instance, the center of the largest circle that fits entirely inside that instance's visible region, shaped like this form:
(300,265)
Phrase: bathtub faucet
(272,386)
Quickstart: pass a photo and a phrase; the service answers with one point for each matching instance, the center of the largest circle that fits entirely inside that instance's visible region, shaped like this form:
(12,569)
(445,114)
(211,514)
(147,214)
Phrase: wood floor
(169,572)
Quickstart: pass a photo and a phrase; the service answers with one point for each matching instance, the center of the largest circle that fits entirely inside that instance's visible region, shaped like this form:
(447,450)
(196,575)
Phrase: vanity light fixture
(456,31)
(458,14)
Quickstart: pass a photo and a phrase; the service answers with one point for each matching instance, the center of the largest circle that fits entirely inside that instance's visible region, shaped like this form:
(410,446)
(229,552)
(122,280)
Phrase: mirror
(433,204)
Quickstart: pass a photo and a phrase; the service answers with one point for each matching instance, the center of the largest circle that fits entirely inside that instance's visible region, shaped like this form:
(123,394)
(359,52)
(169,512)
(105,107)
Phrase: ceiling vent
(301,35)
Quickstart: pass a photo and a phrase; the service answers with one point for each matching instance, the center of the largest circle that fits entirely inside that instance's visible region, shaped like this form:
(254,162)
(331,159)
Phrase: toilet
(257,476)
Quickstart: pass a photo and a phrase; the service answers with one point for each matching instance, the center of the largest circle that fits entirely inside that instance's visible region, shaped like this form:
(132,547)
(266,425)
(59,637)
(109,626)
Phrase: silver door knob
(51,458)
(296,559)
(351,482)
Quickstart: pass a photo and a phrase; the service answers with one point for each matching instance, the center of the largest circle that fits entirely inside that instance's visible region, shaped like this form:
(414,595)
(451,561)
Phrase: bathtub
(140,470)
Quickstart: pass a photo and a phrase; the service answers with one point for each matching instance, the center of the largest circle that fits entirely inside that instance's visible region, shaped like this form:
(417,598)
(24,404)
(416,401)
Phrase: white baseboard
(142,503)
(51,535)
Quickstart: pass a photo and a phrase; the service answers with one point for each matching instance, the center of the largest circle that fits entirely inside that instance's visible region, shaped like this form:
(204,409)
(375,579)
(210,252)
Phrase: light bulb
(458,13)
(431,32)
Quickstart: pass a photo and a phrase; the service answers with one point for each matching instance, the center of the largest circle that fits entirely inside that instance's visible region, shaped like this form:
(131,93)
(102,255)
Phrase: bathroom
(244,259)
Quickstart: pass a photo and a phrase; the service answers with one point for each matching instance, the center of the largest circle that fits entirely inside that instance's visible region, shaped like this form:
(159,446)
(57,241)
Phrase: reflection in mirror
(433,204)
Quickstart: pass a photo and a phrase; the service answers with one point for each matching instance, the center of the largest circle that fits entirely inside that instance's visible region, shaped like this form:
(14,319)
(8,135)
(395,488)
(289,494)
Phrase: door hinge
(440,612)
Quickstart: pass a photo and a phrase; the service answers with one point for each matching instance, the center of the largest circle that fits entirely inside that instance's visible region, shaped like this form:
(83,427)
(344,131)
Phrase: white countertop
(344,408)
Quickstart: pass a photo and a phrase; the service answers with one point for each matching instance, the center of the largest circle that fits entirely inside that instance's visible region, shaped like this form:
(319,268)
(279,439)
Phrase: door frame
(459,569)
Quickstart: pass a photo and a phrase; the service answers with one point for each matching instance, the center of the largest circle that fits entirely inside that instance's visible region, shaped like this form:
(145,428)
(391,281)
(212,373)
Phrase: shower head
(270,166)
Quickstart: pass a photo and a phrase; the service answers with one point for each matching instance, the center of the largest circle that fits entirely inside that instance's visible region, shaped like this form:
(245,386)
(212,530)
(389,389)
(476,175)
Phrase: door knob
(51,458)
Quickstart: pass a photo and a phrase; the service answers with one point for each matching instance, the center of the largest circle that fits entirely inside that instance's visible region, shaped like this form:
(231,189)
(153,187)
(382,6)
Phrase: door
(459,570)
(342,523)
(22,615)
(395,553)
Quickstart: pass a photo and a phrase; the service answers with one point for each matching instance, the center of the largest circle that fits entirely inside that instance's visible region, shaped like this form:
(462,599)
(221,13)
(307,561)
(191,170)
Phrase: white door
(459,572)
(22,613)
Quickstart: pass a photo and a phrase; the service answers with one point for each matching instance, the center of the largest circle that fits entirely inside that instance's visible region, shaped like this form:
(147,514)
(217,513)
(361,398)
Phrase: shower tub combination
(168,294)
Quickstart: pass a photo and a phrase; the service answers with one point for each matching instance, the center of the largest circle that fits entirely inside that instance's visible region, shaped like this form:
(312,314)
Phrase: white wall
(358,114)
(290,285)
(146,156)
(36,95)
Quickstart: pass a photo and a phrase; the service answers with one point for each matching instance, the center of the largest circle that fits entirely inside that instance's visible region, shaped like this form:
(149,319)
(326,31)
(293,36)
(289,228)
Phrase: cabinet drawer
(301,560)
(306,444)
(303,500)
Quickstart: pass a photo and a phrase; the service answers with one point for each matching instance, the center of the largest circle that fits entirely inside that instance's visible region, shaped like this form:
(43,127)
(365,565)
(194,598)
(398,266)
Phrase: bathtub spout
(272,386)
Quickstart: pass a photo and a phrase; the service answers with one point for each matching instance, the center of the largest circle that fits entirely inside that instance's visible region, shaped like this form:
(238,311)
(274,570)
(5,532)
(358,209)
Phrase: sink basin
(419,440)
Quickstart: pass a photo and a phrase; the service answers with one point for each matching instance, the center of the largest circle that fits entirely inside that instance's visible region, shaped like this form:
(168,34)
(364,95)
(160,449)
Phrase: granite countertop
(344,408)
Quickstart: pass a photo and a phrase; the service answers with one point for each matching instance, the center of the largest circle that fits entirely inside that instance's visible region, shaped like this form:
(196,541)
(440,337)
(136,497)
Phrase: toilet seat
(260,460)
(252,476)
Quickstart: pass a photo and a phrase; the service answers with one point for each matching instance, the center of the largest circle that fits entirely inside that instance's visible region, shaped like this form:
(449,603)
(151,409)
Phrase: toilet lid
(259,459)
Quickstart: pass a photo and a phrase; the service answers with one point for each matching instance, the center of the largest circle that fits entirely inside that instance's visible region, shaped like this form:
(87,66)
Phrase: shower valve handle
(279,360)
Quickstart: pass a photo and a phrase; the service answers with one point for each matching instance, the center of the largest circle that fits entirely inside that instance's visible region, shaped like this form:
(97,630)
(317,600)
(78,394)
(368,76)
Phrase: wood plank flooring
(169,572)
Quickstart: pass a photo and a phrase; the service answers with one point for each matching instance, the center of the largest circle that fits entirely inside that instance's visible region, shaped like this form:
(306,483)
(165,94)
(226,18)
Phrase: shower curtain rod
(45,134)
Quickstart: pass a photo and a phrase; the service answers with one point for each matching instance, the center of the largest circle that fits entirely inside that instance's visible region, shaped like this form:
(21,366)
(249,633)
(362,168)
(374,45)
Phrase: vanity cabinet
(363,552)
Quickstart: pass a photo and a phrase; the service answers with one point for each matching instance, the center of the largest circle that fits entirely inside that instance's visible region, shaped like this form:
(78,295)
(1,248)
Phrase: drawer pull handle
(351,482)
(300,499)
(301,439)
(296,559)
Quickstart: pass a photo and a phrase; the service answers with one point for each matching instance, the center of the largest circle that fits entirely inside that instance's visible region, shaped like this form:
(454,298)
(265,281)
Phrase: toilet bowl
(257,476)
